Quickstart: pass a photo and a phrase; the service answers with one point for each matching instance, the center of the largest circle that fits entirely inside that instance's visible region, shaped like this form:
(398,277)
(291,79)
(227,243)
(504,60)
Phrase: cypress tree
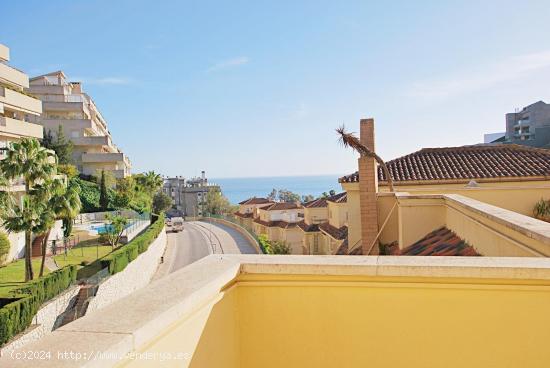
(103,198)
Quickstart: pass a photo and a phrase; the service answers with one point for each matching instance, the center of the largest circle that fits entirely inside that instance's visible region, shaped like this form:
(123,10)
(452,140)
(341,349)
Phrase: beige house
(446,200)
(65,104)
(18,110)
(334,232)
(247,209)
(279,222)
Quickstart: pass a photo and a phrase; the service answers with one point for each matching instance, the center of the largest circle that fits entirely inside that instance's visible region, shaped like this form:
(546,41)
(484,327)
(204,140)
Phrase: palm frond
(349,140)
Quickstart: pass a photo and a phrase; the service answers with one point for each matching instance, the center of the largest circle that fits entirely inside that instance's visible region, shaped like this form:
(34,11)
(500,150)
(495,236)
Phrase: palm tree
(34,163)
(349,140)
(63,203)
(153,181)
(25,218)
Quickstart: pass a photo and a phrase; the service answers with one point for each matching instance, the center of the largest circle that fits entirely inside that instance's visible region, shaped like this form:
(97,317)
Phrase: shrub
(280,247)
(120,258)
(265,246)
(22,303)
(4,247)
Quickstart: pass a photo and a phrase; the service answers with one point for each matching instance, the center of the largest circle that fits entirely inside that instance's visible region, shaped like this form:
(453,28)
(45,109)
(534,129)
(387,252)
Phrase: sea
(239,189)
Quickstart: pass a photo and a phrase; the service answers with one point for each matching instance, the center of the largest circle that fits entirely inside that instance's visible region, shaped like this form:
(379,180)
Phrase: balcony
(20,128)
(102,157)
(4,53)
(319,311)
(19,101)
(13,76)
(100,140)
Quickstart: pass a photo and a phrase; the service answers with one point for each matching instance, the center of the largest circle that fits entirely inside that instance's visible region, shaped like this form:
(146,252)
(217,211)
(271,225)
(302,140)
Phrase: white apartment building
(17,112)
(66,104)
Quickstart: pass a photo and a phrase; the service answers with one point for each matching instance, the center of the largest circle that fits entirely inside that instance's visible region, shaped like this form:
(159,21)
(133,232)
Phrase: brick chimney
(368,188)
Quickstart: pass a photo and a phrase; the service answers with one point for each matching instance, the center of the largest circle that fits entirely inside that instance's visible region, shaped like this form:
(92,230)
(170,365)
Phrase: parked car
(177,224)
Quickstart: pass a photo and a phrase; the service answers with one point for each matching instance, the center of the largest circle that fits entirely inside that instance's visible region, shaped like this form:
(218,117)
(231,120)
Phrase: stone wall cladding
(135,276)
(44,320)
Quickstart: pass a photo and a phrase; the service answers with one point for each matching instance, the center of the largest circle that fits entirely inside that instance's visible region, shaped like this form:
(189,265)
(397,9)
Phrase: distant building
(65,104)
(529,126)
(188,195)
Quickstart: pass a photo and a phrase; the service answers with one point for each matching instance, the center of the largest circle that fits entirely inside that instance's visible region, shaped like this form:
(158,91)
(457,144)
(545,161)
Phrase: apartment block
(17,111)
(529,126)
(65,104)
(188,195)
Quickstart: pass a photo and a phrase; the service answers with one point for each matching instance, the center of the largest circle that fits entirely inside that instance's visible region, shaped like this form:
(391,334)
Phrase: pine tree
(103,198)
(63,147)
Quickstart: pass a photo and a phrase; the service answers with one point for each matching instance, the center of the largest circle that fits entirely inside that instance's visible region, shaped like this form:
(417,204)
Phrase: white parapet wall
(44,321)
(136,275)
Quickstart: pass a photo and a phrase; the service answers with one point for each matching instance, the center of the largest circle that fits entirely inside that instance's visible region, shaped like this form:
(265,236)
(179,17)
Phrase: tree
(288,196)
(273,195)
(161,202)
(115,228)
(4,247)
(103,196)
(62,147)
(34,163)
(307,198)
(69,170)
(215,203)
(150,182)
(280,247)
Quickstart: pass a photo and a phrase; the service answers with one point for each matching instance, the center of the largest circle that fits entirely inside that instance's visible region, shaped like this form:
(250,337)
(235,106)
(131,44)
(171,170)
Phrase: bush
(120,258)
(265,246)
(22,303)
(4,247)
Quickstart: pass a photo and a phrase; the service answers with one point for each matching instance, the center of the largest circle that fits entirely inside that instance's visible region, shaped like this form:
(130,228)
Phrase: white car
(177,224)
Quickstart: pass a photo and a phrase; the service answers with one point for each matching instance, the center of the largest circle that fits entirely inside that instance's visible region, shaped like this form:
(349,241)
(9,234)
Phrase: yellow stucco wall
(274,321)
(315,215)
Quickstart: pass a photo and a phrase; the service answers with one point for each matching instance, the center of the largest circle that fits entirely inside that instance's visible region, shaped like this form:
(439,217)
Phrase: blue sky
(256,88)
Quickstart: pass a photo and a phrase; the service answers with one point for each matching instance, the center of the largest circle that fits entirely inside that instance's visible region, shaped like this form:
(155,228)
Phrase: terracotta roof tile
(466,163)
(343,250)
(256,200)
(334,232)
(243,215)
(279,223)
(281,206)
(339,198)
(441,242)
(316,203)
(308,228)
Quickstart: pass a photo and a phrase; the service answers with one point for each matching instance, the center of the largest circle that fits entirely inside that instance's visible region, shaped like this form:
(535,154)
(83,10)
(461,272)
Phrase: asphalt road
(197,240)
(189,246)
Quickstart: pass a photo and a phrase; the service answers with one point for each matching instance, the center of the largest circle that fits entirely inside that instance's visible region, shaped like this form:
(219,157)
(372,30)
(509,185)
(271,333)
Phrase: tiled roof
(466,163)
(441,242)
(279,223)
(339,198)
(316,203)
(334,232)
(343,250)
(243,215)
(308,228)
(255,200)
(281,206)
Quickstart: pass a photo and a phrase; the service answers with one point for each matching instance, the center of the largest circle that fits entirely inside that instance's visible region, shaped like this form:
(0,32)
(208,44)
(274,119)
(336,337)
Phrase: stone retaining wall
(136,275)
(44,321)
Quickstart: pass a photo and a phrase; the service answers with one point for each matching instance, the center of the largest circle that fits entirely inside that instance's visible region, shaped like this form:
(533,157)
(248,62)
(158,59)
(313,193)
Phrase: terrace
(319,311)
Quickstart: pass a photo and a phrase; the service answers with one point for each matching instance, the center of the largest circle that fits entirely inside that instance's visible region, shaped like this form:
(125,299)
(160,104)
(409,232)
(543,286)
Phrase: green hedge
(22,303)
(119,259)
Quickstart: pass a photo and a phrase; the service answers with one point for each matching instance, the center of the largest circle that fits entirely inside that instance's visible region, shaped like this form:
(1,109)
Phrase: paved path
(197,240)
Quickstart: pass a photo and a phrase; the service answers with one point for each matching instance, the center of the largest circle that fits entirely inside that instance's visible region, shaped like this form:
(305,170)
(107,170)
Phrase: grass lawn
(13,274)
(78,255)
